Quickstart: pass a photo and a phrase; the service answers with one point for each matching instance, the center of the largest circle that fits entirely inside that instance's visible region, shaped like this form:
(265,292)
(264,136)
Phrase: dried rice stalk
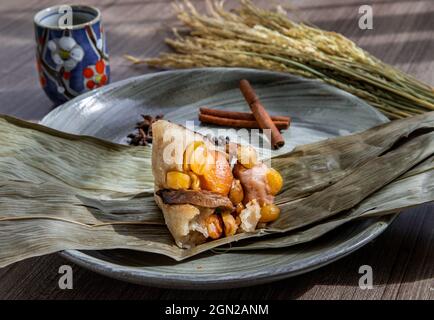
(256,38)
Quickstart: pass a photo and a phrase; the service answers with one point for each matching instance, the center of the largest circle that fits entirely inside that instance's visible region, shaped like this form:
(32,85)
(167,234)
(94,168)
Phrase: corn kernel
(198,161)
(177,180)
(214,226)
(239,208)
(269,213)
(274,181)
(236,195)
(229,224)
(247,156)
(195,182)
(190,154)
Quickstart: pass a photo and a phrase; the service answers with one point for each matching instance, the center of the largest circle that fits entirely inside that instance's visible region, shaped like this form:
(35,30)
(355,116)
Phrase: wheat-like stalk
(255,38)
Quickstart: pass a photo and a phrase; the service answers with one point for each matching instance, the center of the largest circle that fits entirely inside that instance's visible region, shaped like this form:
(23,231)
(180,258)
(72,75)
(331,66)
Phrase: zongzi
(201,194)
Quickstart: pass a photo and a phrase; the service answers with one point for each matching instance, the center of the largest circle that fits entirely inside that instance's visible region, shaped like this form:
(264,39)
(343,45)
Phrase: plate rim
(103,89)
(142,277)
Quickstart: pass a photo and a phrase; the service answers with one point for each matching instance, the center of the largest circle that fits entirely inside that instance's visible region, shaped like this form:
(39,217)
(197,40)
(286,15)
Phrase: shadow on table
(407,51)
(28,104)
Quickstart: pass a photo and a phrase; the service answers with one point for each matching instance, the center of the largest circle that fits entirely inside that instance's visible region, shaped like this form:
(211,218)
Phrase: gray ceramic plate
(318,112)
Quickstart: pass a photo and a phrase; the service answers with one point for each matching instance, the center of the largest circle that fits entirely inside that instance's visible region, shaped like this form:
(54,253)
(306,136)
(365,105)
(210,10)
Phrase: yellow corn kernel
(229,224)
(269,213)
(247,156)
(188,153)
(214,226)
(195,182)
(239,208)
(177,180)
(274,181)
(199,160)
(238,220)
(236,195)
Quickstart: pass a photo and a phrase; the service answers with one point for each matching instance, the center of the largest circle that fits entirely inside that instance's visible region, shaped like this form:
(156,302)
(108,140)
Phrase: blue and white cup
(71,51)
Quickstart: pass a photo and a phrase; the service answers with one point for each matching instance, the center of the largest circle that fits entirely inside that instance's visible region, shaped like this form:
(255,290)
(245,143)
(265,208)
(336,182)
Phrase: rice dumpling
(201,194)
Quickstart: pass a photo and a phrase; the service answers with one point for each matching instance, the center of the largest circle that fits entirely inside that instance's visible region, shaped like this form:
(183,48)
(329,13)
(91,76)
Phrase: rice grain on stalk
(252,37)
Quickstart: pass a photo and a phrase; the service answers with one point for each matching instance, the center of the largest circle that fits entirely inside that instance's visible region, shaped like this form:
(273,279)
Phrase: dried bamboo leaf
(352,189)
(141,208)
(24,199)
(29,238)
(36,233)
(311,168)
(144,238)
(414,188)
(31,152)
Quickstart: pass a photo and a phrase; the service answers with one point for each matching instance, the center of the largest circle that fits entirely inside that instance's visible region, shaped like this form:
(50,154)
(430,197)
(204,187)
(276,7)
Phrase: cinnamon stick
(261,115)
(240,115)
(237,123)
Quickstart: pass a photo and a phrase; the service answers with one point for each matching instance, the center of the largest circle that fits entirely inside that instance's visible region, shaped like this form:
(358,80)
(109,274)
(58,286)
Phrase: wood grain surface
(402,258)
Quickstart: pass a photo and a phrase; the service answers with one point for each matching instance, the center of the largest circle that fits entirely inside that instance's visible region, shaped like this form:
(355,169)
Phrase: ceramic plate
(318,112)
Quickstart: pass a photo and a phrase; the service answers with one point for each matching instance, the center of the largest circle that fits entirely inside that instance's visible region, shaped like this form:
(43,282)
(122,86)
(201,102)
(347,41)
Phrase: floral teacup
(71,51)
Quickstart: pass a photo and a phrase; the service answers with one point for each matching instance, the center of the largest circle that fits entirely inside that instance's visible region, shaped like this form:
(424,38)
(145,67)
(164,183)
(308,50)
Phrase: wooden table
(402,258)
